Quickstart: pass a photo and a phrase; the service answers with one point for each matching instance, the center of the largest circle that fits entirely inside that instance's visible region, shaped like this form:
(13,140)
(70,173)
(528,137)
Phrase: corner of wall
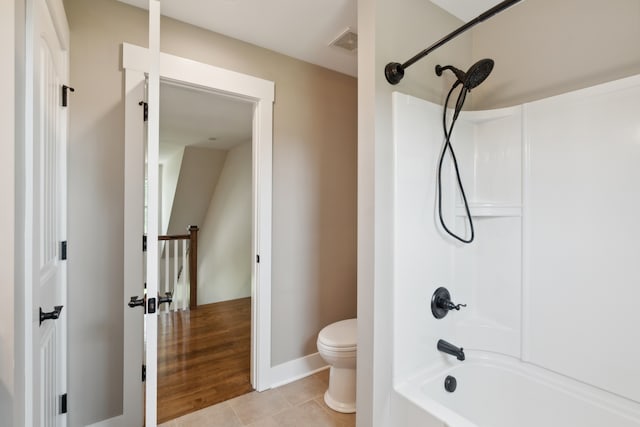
(388,32)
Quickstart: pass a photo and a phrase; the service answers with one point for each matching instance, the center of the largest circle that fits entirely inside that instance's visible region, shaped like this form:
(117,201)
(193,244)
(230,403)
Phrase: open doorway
(204,339)
(258,93)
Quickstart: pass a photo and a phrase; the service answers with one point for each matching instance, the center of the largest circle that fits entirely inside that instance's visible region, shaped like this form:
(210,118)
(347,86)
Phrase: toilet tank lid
(340,334)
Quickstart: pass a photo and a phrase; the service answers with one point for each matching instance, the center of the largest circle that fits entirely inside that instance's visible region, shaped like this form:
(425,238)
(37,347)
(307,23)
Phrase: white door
(47,222)
(152,169)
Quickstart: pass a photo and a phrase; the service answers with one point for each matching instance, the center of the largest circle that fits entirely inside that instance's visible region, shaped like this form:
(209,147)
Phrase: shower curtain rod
(394,71)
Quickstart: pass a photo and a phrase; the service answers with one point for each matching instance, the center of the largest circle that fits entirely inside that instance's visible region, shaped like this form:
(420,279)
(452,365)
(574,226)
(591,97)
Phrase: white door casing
(136,62)
(153,207)
(45,212)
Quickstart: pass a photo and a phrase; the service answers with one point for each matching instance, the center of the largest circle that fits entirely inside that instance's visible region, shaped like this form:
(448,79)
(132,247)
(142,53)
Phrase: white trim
(261,272)
(208,76)
(27,303)
(296,369)
(261,93)
(525,274)
(111,422)
(153,150)
(60,23)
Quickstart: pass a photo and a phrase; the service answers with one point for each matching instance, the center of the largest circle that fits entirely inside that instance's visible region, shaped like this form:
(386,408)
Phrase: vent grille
(348,40)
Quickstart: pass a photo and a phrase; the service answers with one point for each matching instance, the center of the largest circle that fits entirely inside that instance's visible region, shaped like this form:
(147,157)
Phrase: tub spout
(451,349)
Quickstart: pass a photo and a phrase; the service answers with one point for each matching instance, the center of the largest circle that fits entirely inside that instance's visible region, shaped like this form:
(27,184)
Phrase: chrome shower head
(476,74)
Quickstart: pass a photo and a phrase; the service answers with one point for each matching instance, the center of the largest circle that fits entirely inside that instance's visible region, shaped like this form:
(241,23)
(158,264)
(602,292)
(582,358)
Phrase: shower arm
(394,71)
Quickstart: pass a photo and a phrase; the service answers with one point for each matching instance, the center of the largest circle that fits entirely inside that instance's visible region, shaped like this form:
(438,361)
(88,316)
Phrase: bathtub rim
(412,388)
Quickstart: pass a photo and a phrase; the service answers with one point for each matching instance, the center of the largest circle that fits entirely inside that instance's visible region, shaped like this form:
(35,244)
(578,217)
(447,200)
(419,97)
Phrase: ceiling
(466,10)
(301,29)
(193,117)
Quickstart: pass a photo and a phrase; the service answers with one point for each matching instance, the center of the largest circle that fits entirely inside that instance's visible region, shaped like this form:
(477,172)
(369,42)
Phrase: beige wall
(314,184)
(546,47)
(96,220)
(7,185)
(170,174)
(199,173)
(314,193)
(389,30)
(224,242)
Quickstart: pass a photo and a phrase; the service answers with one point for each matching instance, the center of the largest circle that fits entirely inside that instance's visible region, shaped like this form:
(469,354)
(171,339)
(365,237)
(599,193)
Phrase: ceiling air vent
(348,40)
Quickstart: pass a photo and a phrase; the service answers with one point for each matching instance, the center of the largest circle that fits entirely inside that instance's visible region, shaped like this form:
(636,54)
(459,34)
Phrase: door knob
(136,302)
(168,298)
(53,315)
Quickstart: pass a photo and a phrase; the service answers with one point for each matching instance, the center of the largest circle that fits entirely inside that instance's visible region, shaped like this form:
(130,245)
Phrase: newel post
(193,266)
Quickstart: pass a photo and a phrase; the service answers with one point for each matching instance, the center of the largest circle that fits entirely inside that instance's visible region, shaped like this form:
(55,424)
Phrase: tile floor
(299,404)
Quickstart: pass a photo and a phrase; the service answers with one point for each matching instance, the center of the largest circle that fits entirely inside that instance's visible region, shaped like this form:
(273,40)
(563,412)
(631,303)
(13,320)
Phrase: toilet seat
(339,337)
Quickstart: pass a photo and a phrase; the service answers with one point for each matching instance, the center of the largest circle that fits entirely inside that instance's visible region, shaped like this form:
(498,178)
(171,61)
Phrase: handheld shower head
(476,74)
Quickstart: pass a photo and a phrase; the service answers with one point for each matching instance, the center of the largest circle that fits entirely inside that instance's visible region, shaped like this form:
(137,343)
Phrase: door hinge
(145,110)
(258,259)
(144,243)
(63,404)
(63,250)
(65,94)
(144,373)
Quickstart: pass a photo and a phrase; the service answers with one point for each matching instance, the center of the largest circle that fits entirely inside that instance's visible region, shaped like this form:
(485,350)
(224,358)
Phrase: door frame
(260,92)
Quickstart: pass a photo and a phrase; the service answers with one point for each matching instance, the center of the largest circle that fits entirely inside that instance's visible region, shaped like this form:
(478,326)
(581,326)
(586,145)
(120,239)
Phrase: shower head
(476,74)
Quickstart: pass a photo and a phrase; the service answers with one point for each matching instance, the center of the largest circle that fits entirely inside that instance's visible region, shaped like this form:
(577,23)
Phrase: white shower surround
(551,281)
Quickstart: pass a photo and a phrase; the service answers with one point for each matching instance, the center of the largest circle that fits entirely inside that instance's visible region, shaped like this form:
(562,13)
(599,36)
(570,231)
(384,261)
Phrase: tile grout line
(234,411)
(235,414)
(331,412)
(283,396)
(291,405)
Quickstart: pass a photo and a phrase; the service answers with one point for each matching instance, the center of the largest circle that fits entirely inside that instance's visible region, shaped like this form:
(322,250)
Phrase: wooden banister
(192,237)
(193,266)
(176,237)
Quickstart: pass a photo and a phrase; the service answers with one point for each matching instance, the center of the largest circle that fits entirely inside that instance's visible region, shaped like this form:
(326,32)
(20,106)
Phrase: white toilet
(337,345)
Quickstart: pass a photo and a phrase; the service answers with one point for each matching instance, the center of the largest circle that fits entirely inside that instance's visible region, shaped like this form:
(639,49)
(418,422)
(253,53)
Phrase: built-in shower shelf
(490,210)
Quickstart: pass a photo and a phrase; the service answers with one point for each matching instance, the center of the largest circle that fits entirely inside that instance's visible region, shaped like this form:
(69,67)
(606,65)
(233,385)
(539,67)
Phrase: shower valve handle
(452,306)
(441,303)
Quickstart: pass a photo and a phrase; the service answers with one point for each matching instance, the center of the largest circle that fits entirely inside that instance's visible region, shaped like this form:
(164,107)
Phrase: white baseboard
(111,422)
(295,369)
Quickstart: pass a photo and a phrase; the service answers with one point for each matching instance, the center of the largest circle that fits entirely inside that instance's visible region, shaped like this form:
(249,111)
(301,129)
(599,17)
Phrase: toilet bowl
(337,345)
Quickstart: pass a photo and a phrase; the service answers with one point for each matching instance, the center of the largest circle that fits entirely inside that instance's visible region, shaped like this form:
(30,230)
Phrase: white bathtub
(495,391)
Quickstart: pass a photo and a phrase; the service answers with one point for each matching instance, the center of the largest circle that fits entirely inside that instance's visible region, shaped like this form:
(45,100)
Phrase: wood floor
(203,357)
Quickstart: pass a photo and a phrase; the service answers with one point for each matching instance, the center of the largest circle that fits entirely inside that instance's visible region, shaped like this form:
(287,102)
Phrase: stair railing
(179,270)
